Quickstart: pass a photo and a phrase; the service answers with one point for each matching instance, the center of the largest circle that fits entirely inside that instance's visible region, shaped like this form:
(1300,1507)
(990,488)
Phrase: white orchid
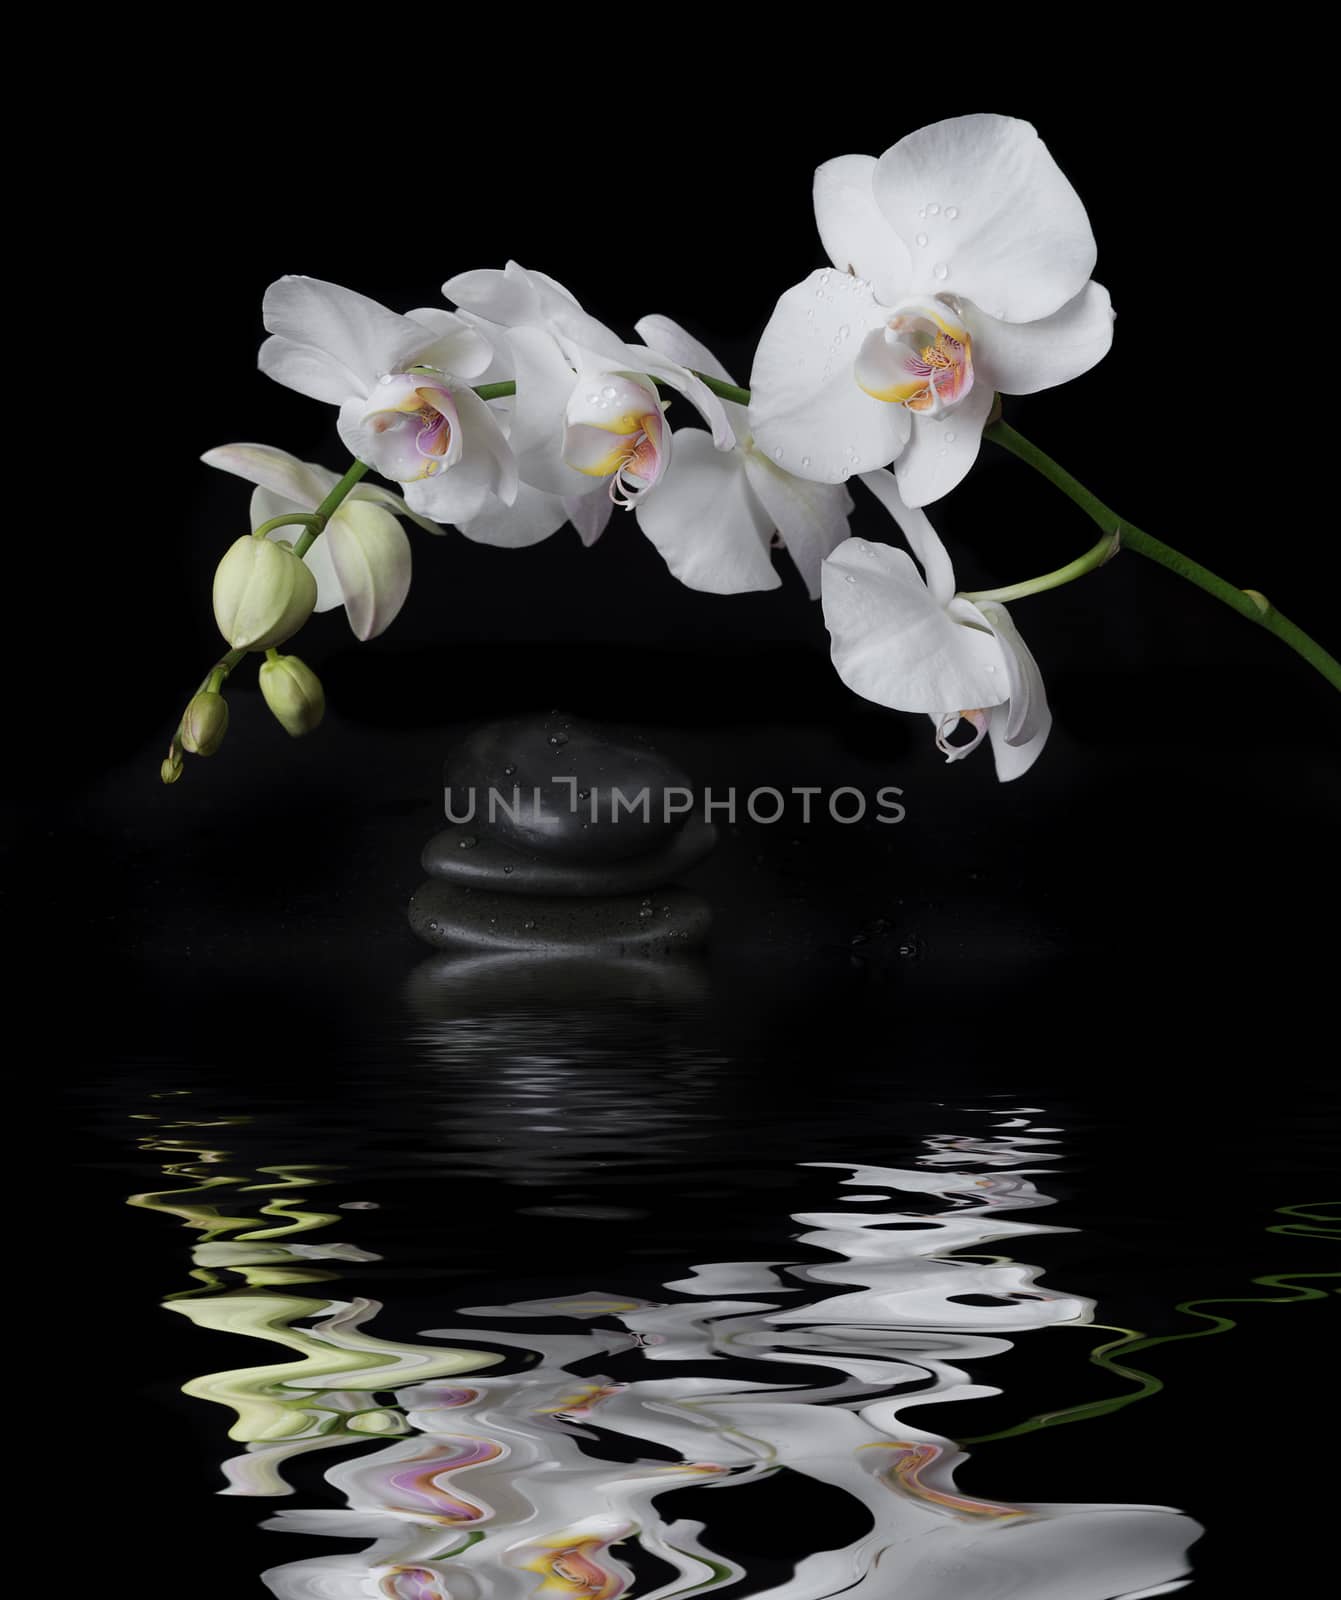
(715,513)
(403,388)
(362,559)
(911,642)
(587,413)
(962,260)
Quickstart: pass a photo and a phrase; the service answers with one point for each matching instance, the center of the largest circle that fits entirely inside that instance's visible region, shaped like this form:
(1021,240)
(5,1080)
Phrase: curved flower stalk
(962,262)
(907,640)
(717,512)
(363,562)
(402,385)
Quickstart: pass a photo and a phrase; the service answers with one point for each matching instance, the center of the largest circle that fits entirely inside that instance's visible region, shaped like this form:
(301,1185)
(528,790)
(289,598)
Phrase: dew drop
(507,869)
(508,771)
(848,578)
(644,911)
(940,271)
(557,739)
(951,436)
(933,210)
(922,240)
(385,378)
(466,842)
(844,331)
(529,923)
(777,454)
(805,461)
(952,212)
(609,391)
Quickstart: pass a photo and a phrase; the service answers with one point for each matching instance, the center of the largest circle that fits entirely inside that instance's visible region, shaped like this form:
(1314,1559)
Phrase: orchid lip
(921,359)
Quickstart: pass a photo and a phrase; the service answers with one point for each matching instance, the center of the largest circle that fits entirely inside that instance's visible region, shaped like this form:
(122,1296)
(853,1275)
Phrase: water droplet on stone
(941,271)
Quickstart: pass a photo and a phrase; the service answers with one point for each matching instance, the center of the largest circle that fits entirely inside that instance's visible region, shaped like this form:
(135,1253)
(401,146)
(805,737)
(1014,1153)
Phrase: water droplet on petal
(385,378)
(941,271)
(952,212)
(529,923)
(933,210)
(777,454)
(609,391)
(951,436)
(844,331)
(805,461)
(922,240)
(848,578)
(466,842)
(558,739)
(508,771)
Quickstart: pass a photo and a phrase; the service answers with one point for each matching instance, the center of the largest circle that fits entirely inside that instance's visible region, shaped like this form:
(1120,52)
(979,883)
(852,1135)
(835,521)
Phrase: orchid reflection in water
(492,1484)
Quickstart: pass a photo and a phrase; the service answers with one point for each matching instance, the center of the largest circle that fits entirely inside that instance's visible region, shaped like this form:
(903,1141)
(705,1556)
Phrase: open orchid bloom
(403,388)
(587,413)
(962,261)
(362,560)
(717,512)
(905,639)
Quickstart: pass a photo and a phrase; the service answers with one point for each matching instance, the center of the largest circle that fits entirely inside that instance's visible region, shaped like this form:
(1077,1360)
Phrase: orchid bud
(171,769)
(294,693)
(263,593)
(204,723)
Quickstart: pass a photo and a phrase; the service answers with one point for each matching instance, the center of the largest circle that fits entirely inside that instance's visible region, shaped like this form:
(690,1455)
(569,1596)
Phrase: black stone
(480,860)
(519,757)
(453,918)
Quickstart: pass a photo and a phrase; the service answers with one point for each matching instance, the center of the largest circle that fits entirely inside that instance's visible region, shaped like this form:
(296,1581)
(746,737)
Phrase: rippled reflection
(530,1448)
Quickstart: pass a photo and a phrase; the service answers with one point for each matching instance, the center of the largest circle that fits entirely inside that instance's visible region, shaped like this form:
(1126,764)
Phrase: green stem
(1255,607)
(1105,550)
(291,519)
(719,386)
(322,515)
(213,680)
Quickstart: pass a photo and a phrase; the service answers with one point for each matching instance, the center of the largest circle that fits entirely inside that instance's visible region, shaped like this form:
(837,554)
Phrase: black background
(1172,856)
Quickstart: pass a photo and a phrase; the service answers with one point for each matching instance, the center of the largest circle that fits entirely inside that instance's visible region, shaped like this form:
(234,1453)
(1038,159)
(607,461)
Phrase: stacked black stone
(568,835)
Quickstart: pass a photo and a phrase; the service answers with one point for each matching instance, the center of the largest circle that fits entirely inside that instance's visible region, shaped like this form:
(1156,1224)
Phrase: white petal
(711,531)
(359,335)
(544,382)
(708,405)
(922,538)
(806,411)
(1028,712)
(854,231)
(506,296)
(303,483)
(1004,228)
(670,339)
(942,449)
(1024,357)
(589,514)
(266,505)
(893,644)
(371,556)
(392,502)
(811,517)
(461,348)
(533,516)
(1014,760)
(310,372)
(482,433)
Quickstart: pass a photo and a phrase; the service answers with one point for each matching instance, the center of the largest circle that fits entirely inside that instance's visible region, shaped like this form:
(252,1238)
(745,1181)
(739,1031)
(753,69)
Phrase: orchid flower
(963,260)
(717,512)
(587,412)
(362,560)
(403,388)
(910,642)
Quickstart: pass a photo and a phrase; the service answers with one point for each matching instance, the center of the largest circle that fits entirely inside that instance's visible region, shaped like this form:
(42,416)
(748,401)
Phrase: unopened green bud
(263,593)
(204,723)
(171,769)
(294,693)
